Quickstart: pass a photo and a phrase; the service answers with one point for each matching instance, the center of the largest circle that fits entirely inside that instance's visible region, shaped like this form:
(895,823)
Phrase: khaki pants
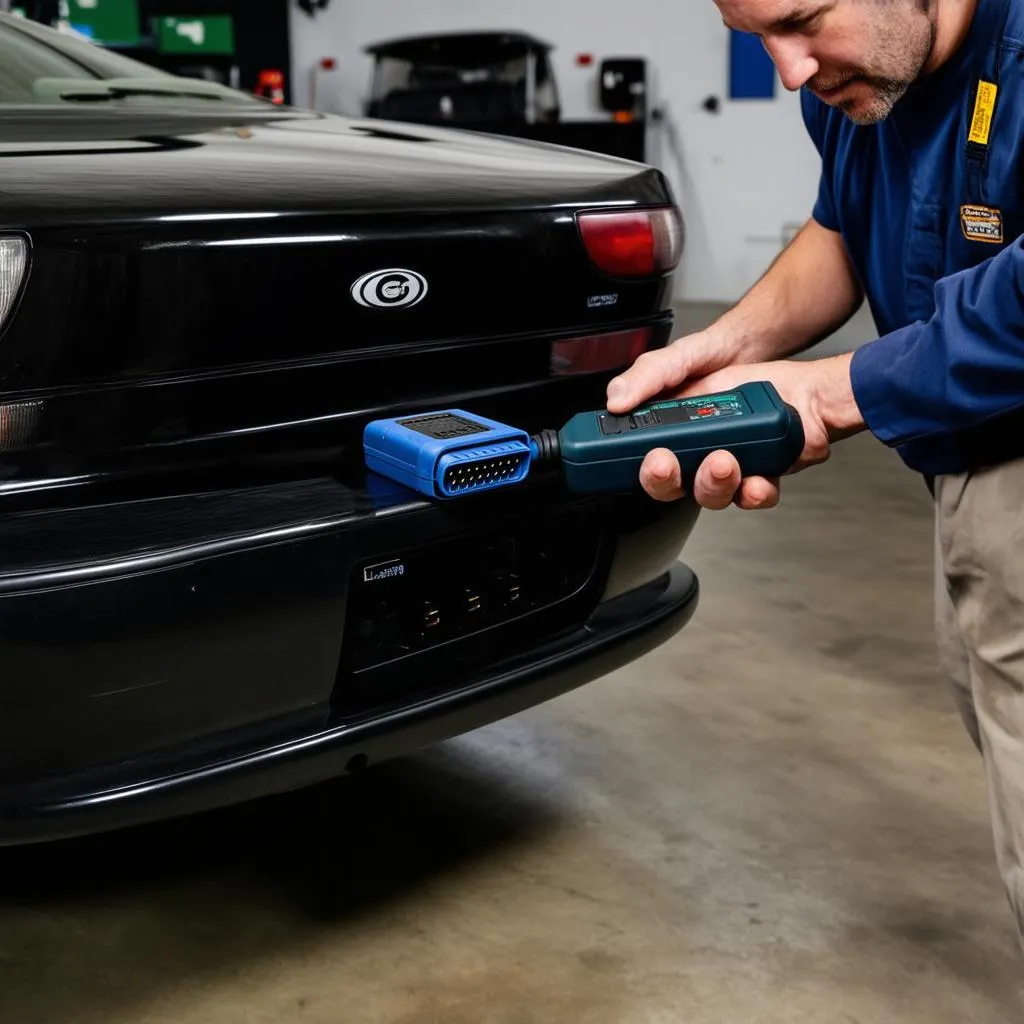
(980,632)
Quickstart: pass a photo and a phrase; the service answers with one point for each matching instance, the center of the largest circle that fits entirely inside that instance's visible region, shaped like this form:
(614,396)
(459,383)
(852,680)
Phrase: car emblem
(390,289)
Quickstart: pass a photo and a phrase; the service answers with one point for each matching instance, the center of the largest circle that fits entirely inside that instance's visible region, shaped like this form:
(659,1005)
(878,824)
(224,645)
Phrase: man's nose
(794,61)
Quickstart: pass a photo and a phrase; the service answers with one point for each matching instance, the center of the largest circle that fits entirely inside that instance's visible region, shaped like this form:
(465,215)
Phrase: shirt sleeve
(815,116)
(943,390)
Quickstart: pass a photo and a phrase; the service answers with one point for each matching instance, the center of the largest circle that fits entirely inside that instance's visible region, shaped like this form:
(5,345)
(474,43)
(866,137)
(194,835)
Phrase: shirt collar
(985,32)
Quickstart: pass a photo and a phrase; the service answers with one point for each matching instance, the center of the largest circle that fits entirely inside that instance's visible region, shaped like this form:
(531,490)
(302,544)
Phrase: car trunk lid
(204,304)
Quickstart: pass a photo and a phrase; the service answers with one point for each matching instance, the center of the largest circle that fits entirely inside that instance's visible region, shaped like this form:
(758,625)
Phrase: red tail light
(633,243)
(600,353)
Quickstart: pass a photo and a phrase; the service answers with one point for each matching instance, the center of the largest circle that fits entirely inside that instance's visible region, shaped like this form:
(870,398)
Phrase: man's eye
(813,22)
(807,24)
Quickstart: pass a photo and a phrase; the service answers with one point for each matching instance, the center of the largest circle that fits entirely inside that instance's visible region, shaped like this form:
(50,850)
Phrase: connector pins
(467,476)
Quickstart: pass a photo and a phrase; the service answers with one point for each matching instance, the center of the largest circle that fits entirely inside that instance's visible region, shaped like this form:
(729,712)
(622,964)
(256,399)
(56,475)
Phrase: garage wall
(720,165)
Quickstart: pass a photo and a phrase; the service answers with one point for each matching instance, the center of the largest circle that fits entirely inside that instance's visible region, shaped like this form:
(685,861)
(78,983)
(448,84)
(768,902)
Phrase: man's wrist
(837,403)
(731,339)
(721,339)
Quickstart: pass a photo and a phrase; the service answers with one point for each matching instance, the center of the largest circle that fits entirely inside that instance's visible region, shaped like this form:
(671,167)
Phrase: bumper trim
(621,630)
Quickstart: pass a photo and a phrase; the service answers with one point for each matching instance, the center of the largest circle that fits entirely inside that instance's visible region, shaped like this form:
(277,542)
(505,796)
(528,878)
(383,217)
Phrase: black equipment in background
(503,83)
(624,87)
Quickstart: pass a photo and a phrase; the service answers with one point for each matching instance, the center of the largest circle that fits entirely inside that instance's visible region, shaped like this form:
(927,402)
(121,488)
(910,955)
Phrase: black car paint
(179,525)
(264,229)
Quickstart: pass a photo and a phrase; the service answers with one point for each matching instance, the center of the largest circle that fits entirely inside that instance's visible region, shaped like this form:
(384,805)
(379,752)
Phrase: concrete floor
(775,819)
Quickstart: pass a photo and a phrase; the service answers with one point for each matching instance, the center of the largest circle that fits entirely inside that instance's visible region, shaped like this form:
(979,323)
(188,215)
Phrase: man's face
(859,56)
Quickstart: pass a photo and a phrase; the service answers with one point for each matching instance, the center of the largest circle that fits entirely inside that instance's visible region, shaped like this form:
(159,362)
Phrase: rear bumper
(622,630)
(165,657)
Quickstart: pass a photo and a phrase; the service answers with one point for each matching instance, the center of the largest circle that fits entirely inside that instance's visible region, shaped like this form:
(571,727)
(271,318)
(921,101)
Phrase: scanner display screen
(683,410)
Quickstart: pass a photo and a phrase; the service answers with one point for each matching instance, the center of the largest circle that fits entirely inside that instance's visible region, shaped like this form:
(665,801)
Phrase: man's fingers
(757,493)
(717,481)
(660,475)
(650,375)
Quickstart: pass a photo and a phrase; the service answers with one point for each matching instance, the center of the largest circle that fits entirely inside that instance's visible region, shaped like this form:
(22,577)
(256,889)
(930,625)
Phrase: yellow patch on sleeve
(984,108)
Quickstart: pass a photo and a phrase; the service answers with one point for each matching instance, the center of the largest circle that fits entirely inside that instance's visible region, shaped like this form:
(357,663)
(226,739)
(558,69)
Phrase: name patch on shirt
(981,224)
(984,108)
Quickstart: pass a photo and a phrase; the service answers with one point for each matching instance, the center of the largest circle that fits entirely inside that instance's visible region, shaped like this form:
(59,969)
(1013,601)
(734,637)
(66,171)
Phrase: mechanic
(916,108)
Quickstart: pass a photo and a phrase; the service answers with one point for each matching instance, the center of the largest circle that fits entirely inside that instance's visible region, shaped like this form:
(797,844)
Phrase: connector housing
(447,454)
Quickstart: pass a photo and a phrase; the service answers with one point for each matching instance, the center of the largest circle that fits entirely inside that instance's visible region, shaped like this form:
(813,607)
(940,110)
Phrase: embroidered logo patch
(981,224)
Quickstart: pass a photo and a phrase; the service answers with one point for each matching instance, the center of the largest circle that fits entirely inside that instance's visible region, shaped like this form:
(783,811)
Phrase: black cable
(546,449)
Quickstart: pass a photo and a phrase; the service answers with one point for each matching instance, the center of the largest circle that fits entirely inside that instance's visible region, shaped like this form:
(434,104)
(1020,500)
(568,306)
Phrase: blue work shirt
(933,224)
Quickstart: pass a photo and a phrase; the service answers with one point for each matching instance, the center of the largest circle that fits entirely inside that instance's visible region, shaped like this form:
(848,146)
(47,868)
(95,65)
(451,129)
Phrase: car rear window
(39,65)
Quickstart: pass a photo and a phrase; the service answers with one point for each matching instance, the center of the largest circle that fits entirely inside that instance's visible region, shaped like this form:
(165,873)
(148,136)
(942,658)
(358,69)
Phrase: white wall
(719,165)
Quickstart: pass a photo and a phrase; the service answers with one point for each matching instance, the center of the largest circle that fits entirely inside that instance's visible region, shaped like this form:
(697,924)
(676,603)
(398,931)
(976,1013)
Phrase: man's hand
(664,370)
(820,391)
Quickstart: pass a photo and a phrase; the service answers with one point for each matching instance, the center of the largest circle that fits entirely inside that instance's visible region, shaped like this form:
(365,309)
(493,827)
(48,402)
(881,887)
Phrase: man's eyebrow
(795,17)
(806,12)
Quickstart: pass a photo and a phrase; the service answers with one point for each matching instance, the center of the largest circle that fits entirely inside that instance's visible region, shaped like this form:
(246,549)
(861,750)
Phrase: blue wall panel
(751,71)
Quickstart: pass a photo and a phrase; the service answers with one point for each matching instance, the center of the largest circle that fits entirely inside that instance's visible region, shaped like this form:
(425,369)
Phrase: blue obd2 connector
(447,454)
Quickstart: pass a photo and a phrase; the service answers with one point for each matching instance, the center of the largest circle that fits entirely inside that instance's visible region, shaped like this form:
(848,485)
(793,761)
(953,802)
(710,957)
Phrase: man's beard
(887,93)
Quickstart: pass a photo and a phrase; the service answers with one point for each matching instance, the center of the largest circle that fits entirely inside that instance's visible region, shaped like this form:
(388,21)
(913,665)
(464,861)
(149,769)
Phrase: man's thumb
(618,391)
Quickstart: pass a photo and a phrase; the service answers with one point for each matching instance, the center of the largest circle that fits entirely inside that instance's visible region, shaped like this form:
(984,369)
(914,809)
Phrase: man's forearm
(948,392)
(806,294)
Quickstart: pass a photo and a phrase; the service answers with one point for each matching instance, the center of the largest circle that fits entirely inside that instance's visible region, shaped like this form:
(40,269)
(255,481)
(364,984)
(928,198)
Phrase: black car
(204,595)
